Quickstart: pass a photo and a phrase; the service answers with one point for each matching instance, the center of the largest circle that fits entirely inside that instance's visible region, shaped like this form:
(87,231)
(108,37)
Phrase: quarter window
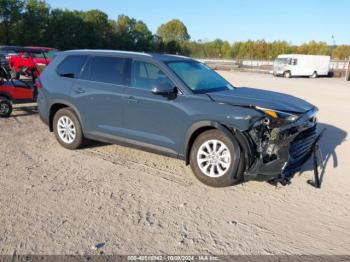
(147,76)
(71,66)
(111,70)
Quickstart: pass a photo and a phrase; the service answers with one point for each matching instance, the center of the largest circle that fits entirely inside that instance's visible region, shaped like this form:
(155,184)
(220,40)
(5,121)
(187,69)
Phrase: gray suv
(179,107)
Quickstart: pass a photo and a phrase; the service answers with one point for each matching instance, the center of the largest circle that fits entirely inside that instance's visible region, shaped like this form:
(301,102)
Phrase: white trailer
(301,65)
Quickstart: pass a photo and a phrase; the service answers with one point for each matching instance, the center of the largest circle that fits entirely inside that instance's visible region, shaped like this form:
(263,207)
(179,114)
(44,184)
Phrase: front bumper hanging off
(290,147)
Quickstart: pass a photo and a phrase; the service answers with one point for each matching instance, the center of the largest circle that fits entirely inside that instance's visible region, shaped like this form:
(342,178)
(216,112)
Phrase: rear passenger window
(111,70)
(71,66)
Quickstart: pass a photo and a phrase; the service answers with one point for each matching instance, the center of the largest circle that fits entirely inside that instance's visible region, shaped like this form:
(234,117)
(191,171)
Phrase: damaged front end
(280,148)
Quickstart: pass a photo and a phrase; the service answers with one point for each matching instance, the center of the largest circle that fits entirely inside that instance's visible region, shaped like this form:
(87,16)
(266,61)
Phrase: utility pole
(333,47)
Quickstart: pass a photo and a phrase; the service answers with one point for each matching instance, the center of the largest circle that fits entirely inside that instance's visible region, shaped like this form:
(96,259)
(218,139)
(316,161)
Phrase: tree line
(34,23)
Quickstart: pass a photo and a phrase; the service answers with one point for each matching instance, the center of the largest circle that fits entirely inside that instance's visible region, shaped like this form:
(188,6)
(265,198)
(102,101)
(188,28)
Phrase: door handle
(79,91)
(132,99)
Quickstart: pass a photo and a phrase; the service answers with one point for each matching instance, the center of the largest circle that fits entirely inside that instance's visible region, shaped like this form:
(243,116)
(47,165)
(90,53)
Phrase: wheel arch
(57,106)
(6,95)
(197,129)
(287,71)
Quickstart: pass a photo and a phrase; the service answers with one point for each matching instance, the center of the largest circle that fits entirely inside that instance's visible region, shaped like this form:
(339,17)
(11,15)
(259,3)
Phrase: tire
(65,121)
(314,75)
(219,174)
(5,107)
(287,74)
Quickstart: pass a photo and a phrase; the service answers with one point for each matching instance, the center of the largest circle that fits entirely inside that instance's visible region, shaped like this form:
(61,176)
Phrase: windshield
(281,61)
(286,61)
(199,77)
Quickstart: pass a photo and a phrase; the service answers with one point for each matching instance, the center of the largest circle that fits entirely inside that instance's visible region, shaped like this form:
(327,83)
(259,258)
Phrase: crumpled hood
(245,96)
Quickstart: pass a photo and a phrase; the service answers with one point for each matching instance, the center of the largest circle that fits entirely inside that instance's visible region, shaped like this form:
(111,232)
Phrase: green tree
(247,50)
(235,49)
(226,50)
(313,48)
(341,52)
(100,29)
(195,48)
(67,30)
(278,47)
(34,23)
(10,18)
(133,34)
(174,30)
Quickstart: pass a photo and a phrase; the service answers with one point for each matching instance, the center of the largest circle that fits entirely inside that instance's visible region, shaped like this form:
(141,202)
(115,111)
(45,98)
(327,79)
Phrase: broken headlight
(278,116)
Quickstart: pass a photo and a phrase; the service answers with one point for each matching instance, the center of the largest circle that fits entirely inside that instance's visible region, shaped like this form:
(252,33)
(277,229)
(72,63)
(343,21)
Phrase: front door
(149,118)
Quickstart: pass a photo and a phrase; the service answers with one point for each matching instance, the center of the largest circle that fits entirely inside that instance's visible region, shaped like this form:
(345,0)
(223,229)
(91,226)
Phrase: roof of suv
(156,56)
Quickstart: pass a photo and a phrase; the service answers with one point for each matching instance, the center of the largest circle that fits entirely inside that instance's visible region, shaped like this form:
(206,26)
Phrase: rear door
(98,94)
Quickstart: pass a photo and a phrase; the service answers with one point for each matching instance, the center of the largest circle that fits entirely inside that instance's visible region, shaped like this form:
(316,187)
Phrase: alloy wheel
(214,158)
(66,129)
(4,109)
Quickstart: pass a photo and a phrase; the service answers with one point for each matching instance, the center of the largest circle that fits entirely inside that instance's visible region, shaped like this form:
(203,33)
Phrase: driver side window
(147,76)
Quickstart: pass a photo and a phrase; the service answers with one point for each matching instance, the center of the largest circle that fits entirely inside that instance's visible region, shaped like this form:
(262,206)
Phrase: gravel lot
(126,201)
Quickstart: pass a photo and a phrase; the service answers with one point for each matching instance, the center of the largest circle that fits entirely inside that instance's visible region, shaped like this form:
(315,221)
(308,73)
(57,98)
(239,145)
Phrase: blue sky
(295,21)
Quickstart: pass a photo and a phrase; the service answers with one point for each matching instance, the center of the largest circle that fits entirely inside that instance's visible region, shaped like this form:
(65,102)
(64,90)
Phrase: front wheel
(287,74)
(67,129)
(5,107)
(215,159)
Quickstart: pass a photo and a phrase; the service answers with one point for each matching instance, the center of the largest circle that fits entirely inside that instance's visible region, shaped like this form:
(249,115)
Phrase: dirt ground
(126,201)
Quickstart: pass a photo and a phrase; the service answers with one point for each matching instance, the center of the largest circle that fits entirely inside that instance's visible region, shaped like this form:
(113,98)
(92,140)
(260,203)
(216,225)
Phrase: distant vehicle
(179,107)
(12,89)
(28,61)
(301,65)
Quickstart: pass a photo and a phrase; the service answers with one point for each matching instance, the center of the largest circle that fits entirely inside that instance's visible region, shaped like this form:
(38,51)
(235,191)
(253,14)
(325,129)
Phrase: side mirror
(164,90)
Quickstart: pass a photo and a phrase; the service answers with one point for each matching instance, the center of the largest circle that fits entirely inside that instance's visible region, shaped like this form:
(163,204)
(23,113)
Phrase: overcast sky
(295,21)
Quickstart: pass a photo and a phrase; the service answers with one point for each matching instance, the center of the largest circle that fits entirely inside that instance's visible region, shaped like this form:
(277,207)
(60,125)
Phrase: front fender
(196,129)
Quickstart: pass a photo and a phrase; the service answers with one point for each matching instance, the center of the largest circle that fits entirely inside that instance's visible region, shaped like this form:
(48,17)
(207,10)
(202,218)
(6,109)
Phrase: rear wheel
(5,107)
(215,159)
(67,129)
(314,75)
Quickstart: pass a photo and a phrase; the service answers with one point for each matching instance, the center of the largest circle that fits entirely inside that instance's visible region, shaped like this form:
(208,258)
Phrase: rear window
(71,66)
(112,70)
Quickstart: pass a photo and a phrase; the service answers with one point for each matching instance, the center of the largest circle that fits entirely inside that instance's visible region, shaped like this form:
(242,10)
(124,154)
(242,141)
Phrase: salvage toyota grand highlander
(179,107)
